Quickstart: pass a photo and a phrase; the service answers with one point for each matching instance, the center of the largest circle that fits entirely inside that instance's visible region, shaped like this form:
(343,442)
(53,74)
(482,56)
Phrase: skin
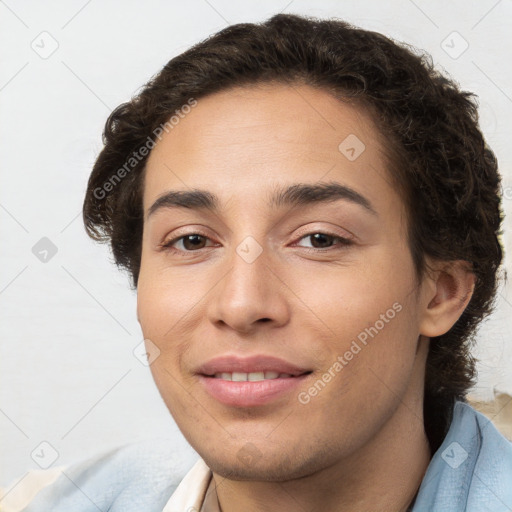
(359,444)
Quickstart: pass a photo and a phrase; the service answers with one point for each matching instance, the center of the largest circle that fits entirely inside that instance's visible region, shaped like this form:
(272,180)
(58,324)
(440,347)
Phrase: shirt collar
(190,493)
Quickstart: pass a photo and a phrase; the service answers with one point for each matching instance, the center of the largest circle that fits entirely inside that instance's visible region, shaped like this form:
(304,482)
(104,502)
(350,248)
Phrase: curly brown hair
(436,154)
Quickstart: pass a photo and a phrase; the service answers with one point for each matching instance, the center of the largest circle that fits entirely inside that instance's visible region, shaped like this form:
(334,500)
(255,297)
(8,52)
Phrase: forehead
(240,141)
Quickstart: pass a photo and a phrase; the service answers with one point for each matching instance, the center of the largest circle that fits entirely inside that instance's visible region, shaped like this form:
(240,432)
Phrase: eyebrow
(298,194)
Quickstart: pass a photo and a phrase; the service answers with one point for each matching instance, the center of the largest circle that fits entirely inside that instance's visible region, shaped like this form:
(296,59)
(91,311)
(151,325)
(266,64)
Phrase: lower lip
(247,393)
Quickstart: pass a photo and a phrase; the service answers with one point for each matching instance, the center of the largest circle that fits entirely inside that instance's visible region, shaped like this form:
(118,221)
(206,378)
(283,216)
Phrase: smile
(239,389)
(253,376)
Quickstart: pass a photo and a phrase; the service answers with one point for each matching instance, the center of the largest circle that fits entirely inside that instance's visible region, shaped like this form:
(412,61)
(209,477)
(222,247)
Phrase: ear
(448,293)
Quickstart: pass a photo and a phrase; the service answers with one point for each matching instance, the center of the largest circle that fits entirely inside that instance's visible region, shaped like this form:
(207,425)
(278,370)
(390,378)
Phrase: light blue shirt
(471,471)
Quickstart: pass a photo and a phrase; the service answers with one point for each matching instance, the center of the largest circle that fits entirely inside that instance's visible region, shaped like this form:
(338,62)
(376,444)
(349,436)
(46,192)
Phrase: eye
(189,243)
(192,242)
(320,240)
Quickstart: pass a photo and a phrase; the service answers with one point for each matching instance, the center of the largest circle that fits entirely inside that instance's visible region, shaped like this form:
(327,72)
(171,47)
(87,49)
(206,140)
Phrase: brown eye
(191,242)
(188,242)
(321,241)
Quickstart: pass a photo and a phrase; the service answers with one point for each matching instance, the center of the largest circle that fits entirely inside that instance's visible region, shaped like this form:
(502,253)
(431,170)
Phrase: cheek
(344,300)
(163,312)
(167,304)
(366,315)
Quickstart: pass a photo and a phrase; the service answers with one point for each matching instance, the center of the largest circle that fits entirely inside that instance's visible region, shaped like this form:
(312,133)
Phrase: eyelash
(343,242)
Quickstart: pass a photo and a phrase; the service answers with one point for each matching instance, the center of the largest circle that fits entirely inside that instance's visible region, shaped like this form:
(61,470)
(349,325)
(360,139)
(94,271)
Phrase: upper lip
(255,363)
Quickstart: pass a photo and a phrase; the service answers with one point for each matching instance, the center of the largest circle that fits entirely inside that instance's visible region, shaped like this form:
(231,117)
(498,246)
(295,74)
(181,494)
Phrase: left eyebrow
(303,194)
(298,194)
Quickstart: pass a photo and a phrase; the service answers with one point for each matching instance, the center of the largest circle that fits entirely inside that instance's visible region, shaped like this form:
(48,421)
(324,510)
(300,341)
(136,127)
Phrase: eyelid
(167,242)
(172,241)
(343,242)
(346,235)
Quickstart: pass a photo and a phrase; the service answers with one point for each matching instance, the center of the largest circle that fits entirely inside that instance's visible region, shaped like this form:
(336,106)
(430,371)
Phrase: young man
(310,216)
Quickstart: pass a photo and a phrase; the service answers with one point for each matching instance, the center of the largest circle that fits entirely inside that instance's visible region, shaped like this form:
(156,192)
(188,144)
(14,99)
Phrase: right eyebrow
(200,199)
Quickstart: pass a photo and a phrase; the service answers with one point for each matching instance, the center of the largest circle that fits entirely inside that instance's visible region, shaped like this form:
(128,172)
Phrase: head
(339,200)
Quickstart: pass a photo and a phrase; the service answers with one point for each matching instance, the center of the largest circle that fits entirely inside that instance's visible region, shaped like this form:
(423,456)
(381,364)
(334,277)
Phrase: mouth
(248,381)
(251,389)
(254,376)
(257,366)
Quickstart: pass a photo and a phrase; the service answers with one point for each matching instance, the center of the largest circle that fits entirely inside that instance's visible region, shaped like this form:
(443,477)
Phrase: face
(313,282)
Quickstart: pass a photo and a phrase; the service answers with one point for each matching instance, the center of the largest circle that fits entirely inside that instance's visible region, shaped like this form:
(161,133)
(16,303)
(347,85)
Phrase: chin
(276,467)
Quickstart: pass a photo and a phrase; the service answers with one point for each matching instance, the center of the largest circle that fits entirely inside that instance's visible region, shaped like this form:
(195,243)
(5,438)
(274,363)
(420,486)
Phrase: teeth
(252,377)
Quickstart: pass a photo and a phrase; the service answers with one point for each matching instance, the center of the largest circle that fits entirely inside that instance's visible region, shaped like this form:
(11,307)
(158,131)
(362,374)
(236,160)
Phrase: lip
(249,393)
(256,363)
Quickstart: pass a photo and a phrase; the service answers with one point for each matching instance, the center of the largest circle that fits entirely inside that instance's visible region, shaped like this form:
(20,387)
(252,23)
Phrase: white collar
(190,493)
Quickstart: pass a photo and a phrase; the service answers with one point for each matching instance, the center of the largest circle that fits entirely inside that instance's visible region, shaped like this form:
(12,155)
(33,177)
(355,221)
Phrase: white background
(68,326)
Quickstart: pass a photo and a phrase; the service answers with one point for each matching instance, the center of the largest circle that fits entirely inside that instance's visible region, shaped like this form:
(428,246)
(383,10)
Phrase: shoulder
(487,440)
(472,470)
(492,471)
(136,476)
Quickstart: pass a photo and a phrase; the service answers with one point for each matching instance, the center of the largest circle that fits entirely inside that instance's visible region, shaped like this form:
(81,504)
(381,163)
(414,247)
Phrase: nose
(250,294)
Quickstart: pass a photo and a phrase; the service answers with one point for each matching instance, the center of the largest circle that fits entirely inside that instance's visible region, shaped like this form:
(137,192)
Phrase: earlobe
(453,288)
